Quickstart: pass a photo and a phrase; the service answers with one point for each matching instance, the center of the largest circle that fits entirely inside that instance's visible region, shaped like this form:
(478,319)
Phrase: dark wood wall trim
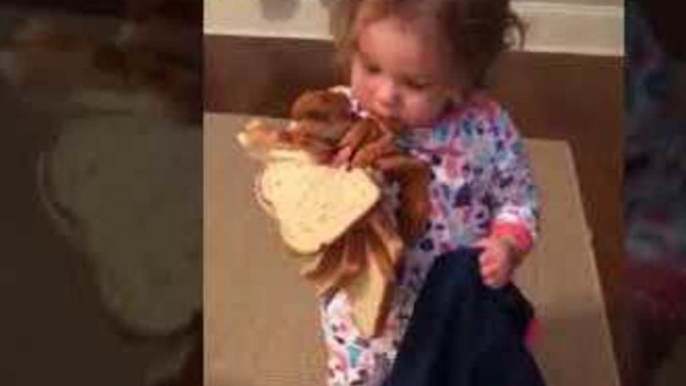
(574,98)
(263,75)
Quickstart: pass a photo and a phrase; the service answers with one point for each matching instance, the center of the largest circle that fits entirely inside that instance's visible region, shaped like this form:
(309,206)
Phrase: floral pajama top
(481,184)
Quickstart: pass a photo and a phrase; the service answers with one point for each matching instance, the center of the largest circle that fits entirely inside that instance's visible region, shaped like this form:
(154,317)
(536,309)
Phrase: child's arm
(515,206)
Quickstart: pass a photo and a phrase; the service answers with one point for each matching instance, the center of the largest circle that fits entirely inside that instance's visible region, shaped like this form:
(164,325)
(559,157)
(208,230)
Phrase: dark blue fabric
(463,333)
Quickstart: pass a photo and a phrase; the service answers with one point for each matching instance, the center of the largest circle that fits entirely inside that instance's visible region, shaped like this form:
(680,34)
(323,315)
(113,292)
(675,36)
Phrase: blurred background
(101,208)
(655,188)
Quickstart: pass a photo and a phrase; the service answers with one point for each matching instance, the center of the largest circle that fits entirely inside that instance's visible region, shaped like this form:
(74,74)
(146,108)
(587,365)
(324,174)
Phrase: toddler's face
(399,72)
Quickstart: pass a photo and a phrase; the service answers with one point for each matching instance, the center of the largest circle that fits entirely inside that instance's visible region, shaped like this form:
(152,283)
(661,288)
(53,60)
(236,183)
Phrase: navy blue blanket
(463,333)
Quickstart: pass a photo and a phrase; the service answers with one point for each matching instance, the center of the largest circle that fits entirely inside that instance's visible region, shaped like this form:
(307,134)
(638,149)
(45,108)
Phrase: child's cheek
(363,91)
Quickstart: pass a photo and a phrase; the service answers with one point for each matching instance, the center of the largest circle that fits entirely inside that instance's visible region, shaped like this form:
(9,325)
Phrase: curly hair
(476,31)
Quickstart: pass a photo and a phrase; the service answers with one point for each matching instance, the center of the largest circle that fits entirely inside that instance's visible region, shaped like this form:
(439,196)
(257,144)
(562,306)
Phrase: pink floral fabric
(480,181)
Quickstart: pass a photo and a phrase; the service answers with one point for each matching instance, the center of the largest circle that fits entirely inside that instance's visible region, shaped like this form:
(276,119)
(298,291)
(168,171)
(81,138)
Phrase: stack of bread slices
(333,221)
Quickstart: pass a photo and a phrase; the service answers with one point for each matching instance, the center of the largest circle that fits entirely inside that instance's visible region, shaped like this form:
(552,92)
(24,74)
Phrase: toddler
(420,65)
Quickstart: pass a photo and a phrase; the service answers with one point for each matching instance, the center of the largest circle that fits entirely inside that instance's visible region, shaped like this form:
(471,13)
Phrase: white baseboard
(554,27)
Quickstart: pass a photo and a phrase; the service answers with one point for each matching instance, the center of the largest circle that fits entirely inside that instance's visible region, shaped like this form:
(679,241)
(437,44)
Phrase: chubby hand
(497,262)
(366,142)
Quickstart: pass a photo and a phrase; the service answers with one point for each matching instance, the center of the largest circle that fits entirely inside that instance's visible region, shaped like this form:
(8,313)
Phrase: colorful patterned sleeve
(516,209)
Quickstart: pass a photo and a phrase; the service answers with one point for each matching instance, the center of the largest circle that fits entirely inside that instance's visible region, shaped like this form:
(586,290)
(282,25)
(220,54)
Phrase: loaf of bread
(346,234)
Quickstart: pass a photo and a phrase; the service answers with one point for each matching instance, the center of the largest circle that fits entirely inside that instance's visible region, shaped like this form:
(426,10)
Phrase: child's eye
(416,85)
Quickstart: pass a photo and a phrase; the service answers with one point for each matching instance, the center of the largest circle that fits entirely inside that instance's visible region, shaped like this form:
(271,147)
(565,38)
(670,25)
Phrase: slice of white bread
(369,292)
(314,204)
